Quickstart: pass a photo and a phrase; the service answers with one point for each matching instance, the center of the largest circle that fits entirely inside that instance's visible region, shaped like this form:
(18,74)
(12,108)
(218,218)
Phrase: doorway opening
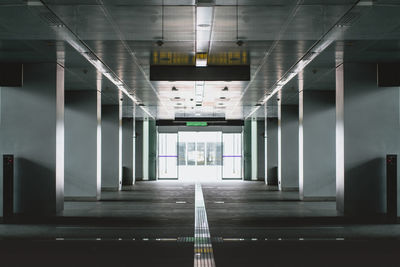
(200,156)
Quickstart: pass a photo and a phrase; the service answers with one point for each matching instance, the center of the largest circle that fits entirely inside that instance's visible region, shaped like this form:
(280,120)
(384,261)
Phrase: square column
(152,149)
(32,129)
(288,147)
(138,148)
(128,177)
(247,155)
(82,145)
(317,145)
(272,152)
(367,129)
(111,156)
(260,148)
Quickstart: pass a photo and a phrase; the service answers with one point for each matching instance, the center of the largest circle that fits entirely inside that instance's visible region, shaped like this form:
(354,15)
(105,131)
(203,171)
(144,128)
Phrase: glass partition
(167,156)
(232,156)
(200,156)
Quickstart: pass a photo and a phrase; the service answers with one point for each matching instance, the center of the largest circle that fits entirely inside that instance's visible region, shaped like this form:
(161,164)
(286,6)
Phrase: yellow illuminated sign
(214,59)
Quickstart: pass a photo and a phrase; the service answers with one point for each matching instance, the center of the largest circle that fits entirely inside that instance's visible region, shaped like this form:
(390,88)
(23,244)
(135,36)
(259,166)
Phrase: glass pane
(200,154)
(232,156)
(218,153)
(191,154)
(182,154)
(167,156)
(211,153)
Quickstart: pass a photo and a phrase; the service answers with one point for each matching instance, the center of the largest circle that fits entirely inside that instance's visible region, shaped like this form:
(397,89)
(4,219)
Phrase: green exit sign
(196,123)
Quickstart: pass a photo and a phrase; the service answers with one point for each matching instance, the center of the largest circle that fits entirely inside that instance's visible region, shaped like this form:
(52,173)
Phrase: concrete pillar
(153,138)
(367,128)
(317,178)
(247,166)
(254,149)
(145,143)
(32,128)
(111,156)
(128,151)
(288,147)
(272,151)
(260,149)
(82,145)
(138,149)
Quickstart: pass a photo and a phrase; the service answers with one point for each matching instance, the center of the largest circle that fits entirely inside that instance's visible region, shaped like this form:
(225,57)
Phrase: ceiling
(123,34)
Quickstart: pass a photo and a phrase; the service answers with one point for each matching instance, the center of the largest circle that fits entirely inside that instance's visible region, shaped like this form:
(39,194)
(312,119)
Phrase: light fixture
(161,42)
(225,88)
(239,42)
(174,88)
(204,22)
(199,92)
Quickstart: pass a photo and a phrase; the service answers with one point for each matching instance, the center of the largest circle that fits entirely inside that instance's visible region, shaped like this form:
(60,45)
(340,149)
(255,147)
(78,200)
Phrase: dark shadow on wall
(34,188)
(365,189)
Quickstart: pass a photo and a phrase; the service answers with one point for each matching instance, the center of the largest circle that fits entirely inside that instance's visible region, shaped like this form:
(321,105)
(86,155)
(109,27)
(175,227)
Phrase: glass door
(232,156)
(200,156)
(167,156)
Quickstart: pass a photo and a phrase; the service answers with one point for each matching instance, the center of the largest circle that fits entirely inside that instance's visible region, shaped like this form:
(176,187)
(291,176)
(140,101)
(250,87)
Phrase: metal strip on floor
(203,252)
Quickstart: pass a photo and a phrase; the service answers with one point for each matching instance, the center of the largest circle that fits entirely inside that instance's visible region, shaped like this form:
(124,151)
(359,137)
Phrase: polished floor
(152,224)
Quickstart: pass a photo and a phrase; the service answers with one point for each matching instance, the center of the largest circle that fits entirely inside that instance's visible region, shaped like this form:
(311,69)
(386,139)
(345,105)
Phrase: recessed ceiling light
(222,97)
(177,97)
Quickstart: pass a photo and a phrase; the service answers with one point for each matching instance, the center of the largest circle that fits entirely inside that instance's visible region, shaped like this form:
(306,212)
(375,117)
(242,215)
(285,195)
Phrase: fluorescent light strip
(66,34)
(199,92)
(204,22)
(315,51)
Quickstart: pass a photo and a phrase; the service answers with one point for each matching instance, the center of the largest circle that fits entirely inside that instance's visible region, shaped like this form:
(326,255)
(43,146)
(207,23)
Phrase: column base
(84,199)
(290,189)
(110,189)
(318,199)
